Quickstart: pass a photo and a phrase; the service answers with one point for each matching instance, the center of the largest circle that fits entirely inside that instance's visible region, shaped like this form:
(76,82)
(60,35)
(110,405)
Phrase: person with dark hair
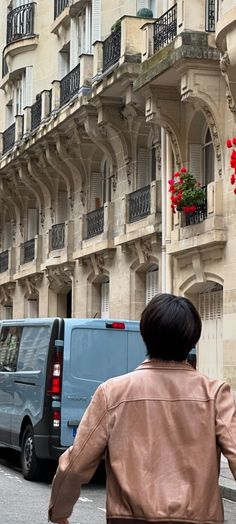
(162,428)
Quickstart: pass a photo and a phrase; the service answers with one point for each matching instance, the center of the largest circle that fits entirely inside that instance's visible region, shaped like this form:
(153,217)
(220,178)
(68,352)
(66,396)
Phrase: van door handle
(72,423)
(75,397)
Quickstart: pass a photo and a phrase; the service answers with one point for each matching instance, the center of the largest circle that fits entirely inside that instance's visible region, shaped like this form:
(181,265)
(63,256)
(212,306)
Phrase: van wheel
(30,464)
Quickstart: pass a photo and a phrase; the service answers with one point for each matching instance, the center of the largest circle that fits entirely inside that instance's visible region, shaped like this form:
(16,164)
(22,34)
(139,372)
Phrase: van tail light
(55,383)
(115,325)
(56,418)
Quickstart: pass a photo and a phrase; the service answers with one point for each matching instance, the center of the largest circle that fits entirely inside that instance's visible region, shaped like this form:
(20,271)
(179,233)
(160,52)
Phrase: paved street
(25,502)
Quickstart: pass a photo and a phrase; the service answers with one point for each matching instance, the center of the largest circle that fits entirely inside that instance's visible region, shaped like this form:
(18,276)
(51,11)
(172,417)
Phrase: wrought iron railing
(59,6)
(210,15)
(58,236)
(200,214)
(20,22)
(70,85)
(111,48)
(28,250)
(4,257)
(95,222)
(36,112)
(165,28)
(9,138)
(139,204)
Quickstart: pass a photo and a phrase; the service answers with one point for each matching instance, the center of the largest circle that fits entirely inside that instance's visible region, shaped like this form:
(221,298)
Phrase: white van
(49,370)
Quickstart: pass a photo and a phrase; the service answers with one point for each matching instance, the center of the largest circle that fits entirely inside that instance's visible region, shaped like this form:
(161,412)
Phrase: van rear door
(93,352)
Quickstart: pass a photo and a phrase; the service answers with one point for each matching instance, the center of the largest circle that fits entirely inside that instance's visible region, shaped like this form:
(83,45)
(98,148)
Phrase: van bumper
(48,447)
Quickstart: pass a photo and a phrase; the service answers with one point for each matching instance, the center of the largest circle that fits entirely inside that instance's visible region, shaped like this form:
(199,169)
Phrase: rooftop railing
(165,28)
(9,138)
(111,48)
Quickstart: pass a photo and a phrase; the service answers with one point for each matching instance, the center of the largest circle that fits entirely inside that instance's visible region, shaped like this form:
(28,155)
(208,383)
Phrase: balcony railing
(59,6)
(200,214)
(111,49)
(70,85)
(58,236)
(8,138)
(20,22)
(165,28)
(95,222)
(4,257)
(28,251)
(139,204)
(211,15)
(36,112)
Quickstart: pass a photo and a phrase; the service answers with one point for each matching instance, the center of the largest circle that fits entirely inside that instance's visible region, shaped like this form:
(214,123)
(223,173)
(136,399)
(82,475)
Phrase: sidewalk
(227,482)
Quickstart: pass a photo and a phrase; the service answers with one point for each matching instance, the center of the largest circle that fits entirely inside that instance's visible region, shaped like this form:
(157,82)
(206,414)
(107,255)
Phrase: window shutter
(29,86)
(96,20)
(143,167)
(140,4)
(96,191)
(7,235)
(74,43)
(88,29)
(62,207)
(32,223)
(195,156)
(8,312)
(105,300)
(151,284)
(32,308)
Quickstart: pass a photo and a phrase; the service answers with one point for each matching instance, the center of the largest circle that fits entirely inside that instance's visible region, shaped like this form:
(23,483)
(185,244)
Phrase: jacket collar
(165,364)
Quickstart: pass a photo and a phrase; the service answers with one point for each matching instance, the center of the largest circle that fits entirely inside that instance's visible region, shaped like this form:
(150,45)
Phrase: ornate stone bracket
(6,292)
(224,65)
(61,275)
(30,284)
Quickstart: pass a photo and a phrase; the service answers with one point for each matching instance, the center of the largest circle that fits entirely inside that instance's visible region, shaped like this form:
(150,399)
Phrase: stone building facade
(98,108)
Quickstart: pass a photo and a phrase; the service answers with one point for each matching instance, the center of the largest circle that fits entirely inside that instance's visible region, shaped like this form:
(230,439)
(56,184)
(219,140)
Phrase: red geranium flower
(183,170)
(229,143)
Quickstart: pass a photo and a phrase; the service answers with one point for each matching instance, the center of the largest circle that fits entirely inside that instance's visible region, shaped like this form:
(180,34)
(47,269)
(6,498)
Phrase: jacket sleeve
(226,425)
(78,464)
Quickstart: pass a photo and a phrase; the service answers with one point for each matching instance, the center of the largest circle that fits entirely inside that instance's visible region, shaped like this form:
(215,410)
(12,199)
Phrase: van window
(98,354)
(33,348)
(9,345)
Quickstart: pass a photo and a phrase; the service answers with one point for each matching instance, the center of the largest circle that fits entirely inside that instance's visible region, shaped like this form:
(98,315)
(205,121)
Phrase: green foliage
(145,13)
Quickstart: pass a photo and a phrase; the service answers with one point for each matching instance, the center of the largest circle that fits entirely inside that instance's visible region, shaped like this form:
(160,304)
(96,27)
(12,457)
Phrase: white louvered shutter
(28,86)
(195,157)
(74,43)
(96,20)
(32,223)
(32,308)
(96,191)
(211,341)
(62,207)
(140,4)
(105,300)
(8,312)
(143,170)
(7,235)
(151,284)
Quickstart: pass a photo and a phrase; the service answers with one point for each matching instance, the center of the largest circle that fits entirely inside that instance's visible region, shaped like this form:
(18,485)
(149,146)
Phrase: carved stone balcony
(60,244)
(96,231)
(28,257)
(141,214)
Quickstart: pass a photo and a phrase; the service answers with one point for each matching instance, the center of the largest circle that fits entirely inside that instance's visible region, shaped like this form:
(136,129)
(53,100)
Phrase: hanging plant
(186,193)
(231,143)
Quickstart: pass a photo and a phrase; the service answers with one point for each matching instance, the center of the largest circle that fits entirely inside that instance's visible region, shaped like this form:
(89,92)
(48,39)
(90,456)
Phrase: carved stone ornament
(61,275)
(114,178)
(175,145)
(6,293)
(42,217)
(224,63)
(129,171)
(30,284)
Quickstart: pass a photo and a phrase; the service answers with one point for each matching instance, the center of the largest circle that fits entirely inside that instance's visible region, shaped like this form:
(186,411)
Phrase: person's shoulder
(210,385)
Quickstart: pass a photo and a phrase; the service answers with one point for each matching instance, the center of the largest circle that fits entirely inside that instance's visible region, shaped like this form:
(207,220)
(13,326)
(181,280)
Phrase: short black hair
(170,326)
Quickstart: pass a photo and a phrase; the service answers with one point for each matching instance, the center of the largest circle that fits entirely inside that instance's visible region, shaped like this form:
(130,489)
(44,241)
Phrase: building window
(105,289)
(151,283)
(32,308)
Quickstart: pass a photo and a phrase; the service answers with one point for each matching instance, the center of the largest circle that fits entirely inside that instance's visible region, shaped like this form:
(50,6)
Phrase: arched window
(151,283)
(208,158)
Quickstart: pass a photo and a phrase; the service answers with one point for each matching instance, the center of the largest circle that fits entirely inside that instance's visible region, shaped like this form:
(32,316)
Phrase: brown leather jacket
(163,427)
